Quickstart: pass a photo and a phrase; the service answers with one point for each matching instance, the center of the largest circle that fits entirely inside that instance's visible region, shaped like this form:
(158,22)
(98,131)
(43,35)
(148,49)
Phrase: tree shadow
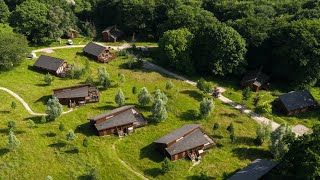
(238,122)
(251,153)
(200,178)
(153,172)
(192,93)
(4,131)
(86,129)
(216,136)
(230,115)
(84,177)
(72,151)
(219,145)
(58,145)
(245,140)
(190,115)
(44,99)
(35,119)
(19,132)
(150,151)
(41,85)
(4,112)
(4,151)
(106,107)
(49,134)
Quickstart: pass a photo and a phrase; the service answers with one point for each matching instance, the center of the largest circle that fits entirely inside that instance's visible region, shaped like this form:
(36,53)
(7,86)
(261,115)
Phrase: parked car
(70,42)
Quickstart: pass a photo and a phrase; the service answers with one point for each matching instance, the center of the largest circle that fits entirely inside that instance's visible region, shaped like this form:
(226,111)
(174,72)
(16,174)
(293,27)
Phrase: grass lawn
(44,150)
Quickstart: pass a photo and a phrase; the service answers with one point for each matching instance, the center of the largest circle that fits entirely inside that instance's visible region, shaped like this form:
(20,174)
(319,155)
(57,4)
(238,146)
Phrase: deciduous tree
(206,107)
(159,111)
(53,108)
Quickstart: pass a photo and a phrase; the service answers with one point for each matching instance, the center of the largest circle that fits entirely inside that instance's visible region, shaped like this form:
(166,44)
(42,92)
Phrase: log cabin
(52,65)
(187,141)
(112,34)
(296,102)
(256,80)
(98,52)
(76,95)
(121,121)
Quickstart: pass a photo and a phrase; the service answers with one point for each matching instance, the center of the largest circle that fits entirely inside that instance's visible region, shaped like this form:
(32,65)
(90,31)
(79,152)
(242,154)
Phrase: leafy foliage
(48,79)
(13,141)
(280,141)
(263,133)
(53,108)
(119,98)
(144,97)
(159,111)
(206,107)
(4,12)
(167,165)
(103,76)
(246,93)
(169,85)
(70,136)
(204,86)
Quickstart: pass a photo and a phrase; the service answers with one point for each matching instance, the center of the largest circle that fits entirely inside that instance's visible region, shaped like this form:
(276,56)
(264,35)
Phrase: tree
(48,79)
(280,141)
(61,127)
(89,80)
(119,98)
(161,95)
(53,108)
(11,125)
(13,141)
(169,85)
(263,133)
(43,119)
(176,46)
(256,100)
(302,160)
(71,135)
(4,12)
(14,52)
(159,111)
(76,72)
(246,93)
(31,124)
(206,107)
(167,165)
(134,90)
(13,105)
(85,142)
(144,97)
(204,86)
(122,78)
(49,178)
(103,76)
(230,128)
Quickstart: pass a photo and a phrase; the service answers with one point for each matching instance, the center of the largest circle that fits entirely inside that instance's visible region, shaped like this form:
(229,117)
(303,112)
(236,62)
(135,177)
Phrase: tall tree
(161,95)
(103,76)
(13,141)
(4,12)
(144,96)
(159,111)
(119,98)
(206,107)
(53,108)
(280,139)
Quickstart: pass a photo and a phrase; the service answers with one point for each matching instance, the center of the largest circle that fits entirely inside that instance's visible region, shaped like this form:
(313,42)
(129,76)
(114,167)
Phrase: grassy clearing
(44,150)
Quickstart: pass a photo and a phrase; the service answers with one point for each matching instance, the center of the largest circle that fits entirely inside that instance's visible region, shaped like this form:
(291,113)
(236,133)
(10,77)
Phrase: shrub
(230,128)
(89,80)
(13,105)
(123,52)
(280,141)
(104,78)
(43,119)
(61,127)
(167,165)
(169,85)
(122,78)
(11,125)
(30,124)
(48,79)
(134,90)
(71,135)
(53,109)
(263,133)
(13,141)
(159,111)
(76,72)
(119,98)
(144,97)
(85,142)
(206,107)
(246,93)
(215,126)
(161,95)
(204,86)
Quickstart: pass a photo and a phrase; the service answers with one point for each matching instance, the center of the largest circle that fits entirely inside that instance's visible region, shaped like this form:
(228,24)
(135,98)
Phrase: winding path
(25,104)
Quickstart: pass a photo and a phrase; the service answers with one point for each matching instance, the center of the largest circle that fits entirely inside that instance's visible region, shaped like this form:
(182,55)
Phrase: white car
(70,42)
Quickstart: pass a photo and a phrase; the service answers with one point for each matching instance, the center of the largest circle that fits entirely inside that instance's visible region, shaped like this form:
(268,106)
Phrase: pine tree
(161,95)
(206,107)
(104,78)
(134,90)
(169,85)
(53,109)
(246,93)
(13,105)
(159,111)
(144,97)
(89,80)
(279,141)
(13,141)
(61,127)
(48,79)
(71,135)
(167,165)
(119,98)
(263,133)
(122,78)
(11,125)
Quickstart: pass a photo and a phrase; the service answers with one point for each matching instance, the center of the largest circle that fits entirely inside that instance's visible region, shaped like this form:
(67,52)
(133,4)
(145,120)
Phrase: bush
(53,109)
(119,98)
(70,136)
(89,80)
(43,119)
(61,127)
(31,124)
(169,85)
(230,128)
(204,86)
(123,53)
(134,90)
(167,165)
(85,142)
(76,72)
(258,141)
(144,97)
(206,106)
(13,141)
(134,63)
(11,125)
(215,126)
(48,79)
(13,105)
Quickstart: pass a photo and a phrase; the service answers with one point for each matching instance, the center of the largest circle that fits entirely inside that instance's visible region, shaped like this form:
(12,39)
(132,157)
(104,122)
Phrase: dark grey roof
(73,93)
(256,170)
(121,119)
(48,63)
(94,49)
(178,133)
(255,76)
(109,28)
(117,110)
(192,140)
(297,100)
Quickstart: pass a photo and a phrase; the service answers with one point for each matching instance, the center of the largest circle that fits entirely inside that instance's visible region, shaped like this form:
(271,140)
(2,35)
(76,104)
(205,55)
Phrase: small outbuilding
(187,141)
(112,34)
(256,80)
(98,52)
(55,66)
(76,95)
(121,121)
(254,171)
(296,102)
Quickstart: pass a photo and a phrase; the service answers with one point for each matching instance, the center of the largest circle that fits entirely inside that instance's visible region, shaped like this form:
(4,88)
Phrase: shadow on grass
(245,140)
(35,119)
(251,153)
(106,107)
(4,112)
(219,145)
(4,151)
(72,151)
(190,115)
(200,178)
(86,129)
(151,153)
(4,131)
(44,99)
(58,145)
(41,85)
(230,115)
(49,134)
(19,132)
(217,136)
(153,172)
(192,93)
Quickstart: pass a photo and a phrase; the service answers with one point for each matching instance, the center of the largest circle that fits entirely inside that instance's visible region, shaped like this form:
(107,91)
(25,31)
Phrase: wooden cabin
(112,34)
(76,95)
(256,80)
(296,102)
(121,121)
(98,52)
(72,33)
(187,141)
(52,65)
(258,169)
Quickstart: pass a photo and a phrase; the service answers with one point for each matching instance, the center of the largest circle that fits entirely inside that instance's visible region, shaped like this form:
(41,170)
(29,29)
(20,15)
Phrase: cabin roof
(298,100)
(255,76)
(94,49)
(178,133)
(113,33)
(49,63)
(123,118)
(256,170)
(192,140)
(73,93)
(71,87)
(109,113)
(109,28)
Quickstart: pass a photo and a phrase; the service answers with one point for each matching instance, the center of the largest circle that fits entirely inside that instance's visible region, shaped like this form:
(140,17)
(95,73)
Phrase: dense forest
(210,37)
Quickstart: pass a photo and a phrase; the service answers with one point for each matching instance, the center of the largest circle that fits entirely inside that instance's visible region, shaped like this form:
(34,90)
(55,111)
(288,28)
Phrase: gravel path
(25,104)
(298,129)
